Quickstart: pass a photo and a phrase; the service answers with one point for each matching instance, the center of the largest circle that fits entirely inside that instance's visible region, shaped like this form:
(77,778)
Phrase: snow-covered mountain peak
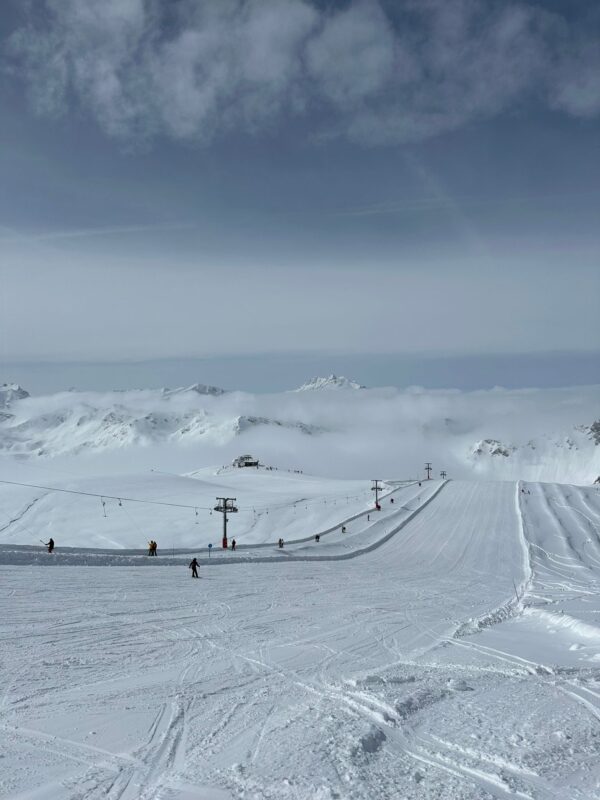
(10,392)
(198,388)
(331,382)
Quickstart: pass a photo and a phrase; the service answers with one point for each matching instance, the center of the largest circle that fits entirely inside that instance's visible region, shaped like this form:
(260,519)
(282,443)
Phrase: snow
(537,435)
(330,382)
(446,647)
(199,388)
(268,500)
(9,392)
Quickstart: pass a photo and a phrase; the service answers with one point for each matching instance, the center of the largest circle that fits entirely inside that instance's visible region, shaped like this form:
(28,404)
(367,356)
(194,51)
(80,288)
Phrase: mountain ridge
(535,434)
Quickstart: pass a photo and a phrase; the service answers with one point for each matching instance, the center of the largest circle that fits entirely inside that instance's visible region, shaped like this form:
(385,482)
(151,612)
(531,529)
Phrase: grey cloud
(367,72)
(577,86)
(351,58)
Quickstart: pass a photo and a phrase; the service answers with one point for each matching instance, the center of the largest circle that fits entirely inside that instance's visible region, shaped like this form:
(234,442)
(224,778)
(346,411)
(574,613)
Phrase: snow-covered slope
(268,501)
(457,659)
(530,434)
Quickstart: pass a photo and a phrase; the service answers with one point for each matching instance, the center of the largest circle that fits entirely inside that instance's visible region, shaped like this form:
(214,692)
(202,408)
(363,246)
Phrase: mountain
(538,435)
(9,392)
(198,388)
(331,382)
(555,453)
(71,423)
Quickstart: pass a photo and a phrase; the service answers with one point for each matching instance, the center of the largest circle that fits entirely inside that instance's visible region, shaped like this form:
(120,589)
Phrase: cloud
(351,58)
(367,71)
(121,307)
(12,237)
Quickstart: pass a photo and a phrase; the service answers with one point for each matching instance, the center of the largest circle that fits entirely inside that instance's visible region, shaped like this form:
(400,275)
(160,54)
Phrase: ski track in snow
(412,670)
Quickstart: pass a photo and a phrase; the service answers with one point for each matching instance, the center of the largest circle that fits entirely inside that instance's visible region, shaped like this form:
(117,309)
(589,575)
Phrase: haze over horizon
(250,193)
(276,373)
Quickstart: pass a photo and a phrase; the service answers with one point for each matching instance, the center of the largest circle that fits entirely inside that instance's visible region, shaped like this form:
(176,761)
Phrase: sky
(254,189)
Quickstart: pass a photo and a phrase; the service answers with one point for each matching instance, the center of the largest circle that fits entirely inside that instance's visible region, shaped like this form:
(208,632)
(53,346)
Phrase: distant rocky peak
(10,392)
(331,382)
(492,447)
(594,430)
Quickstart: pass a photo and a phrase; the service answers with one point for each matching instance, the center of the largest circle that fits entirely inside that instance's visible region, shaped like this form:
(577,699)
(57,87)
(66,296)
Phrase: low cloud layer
(369,71)
(529,434)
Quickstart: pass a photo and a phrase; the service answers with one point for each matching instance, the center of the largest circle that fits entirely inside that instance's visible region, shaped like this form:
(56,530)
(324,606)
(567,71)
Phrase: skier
(280,543)
(194,567)
(154,547)
(233,545)
(150,547)
(343,529)
(318,538)
(49,544)
(391,499)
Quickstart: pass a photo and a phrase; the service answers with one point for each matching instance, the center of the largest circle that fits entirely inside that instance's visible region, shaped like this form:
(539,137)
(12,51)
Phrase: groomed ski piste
(446,646)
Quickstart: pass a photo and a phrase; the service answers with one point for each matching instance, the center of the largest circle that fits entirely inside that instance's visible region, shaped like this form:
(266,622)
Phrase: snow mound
(331,382)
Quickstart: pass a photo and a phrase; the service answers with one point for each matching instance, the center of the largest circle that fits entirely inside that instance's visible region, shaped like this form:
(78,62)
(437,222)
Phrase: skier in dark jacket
(194,567)
(233,543)
(50,544)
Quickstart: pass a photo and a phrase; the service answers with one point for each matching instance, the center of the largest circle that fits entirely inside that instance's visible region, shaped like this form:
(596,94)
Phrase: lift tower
(428,470)
(376,488)
(225,506)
